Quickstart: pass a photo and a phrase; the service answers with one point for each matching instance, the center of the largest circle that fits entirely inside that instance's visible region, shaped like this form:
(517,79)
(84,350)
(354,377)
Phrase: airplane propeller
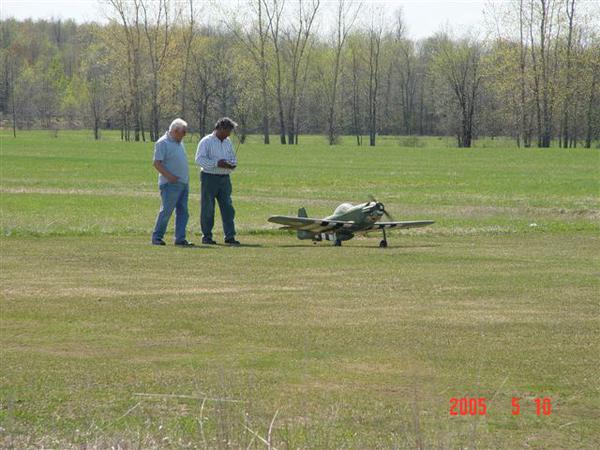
(381,207)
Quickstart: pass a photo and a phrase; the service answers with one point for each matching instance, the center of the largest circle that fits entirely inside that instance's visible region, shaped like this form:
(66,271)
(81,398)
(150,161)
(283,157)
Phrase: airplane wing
(310,224)
(405,224)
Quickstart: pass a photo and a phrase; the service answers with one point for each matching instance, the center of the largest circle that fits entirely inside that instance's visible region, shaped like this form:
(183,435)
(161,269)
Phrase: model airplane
(344,223)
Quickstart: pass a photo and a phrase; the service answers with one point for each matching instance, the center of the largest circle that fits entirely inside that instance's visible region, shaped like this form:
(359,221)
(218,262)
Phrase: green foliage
(74,104)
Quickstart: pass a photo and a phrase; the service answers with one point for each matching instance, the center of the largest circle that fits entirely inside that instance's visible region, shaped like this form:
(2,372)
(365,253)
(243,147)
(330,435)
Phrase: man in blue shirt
(170,160)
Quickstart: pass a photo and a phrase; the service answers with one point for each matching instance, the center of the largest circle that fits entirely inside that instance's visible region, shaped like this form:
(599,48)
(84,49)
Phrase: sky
(422,17)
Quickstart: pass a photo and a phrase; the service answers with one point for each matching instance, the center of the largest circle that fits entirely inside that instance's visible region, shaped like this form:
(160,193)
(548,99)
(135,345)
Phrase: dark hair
(225,123)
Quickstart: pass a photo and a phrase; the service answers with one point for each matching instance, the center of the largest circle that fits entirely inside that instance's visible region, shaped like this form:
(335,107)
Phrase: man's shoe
(184,243)
(158,242)
(208,241)
(232,241)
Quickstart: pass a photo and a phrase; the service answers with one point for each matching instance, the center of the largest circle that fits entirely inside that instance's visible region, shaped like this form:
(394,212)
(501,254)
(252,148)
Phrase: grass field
(107,341)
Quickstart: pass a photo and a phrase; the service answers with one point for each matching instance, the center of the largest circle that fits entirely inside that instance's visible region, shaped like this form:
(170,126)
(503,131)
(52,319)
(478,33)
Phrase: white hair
(178,124)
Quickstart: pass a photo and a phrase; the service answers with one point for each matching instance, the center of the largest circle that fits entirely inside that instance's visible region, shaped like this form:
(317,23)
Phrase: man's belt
(215,174)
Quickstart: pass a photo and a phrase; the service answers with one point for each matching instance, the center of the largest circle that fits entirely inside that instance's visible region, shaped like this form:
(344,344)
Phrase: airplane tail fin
(302,234)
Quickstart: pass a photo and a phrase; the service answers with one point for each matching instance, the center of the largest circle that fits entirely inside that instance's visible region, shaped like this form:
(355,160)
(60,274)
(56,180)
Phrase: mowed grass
(108,341)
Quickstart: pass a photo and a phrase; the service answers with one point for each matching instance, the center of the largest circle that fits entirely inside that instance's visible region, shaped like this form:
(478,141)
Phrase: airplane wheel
(337,243)
(383,244)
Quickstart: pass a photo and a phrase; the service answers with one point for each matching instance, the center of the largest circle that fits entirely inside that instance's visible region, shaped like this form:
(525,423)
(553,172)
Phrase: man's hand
(223,163)
(164,172)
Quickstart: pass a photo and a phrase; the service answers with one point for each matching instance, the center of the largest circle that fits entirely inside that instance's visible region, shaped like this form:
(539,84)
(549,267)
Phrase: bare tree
(375,34)
(97,77)
(355,103)
(405,66)
(541,65)
(346,15)
(297,39)
(9,63)
(592,126)
(307,68)
(157,30)
(202,80)
(525,130)
(12,105)
(255,41)
(128,12)
(459,65)
(426,81)
(570,9)
(224,76)
(274,11)
(189,33)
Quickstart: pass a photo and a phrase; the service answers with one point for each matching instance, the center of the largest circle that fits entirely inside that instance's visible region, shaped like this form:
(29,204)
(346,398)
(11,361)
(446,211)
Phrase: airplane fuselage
(363,214)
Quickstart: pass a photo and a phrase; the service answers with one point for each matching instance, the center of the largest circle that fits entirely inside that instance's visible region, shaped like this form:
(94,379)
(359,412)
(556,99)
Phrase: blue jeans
(174,196)
(216,187)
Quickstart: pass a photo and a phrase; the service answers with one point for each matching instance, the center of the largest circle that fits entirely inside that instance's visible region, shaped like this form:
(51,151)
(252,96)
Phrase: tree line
(307,66)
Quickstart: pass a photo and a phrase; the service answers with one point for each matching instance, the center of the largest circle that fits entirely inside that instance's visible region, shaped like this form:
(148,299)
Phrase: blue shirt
(173,157)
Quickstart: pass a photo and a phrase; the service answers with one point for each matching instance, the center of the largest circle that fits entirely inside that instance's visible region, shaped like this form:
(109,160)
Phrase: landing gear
(383,243)
(337,243)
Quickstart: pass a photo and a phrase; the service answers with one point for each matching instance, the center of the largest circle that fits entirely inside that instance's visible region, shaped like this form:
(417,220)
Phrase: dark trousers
(216,187)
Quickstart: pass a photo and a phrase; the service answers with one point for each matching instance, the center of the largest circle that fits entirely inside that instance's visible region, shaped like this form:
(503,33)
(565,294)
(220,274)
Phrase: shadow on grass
(370,247)
(304,245)
(392,247)
(193,247)
(215,246)
(301,246)
(243,245)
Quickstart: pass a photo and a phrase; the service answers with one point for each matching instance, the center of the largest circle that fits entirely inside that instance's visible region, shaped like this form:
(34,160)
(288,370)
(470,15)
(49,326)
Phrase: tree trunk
(265,103)
(189,39)
(96,129)
(14,113)
(546,136)
(154,112)
(524,127)
(356,99)
(137,121)
(590,111)
(243,129)
(421,106)
(265,123)
(567,87)
(274,17)
(262,35)
(282,130)
(203,113)
(331,117)
(374,51)
(142,129)
(292,114)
